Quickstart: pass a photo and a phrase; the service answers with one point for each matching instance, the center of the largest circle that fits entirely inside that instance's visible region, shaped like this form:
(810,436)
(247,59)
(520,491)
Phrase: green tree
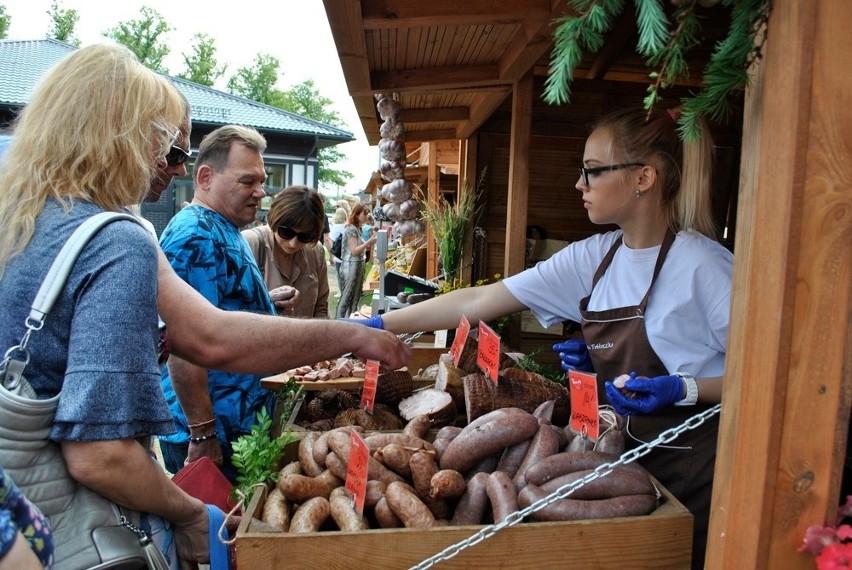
(257,82)
(5,22)
(142,36)
(64,22)
(304,99)
(201,65)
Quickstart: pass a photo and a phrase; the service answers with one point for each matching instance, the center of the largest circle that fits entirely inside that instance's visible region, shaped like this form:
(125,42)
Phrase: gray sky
(296,32)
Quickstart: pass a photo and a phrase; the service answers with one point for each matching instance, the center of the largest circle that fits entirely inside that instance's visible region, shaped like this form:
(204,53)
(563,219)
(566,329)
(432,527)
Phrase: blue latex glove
(373,322)
(574,355)
(651,394)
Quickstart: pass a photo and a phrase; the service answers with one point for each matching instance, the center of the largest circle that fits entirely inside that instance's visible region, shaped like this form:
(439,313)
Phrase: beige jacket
(310,273)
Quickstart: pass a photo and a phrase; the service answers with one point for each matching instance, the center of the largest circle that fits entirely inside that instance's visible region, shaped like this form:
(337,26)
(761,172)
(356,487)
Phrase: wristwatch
(691,389)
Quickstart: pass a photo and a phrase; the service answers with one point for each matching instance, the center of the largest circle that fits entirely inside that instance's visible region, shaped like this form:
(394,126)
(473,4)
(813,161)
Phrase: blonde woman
(91,139)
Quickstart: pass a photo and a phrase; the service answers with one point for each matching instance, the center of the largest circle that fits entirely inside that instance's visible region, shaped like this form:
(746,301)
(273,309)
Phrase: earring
(638,193)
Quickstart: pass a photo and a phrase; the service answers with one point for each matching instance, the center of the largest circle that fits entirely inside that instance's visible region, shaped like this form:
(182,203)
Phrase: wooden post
(433,195)
(467,177)
(519,176)
(788,387)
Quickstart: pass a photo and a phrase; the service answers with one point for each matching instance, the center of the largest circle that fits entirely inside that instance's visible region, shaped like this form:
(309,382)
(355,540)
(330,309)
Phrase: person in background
(26,540)
(653,297)
(95,109)
(366,232)
(352,265)
(337,227)
(289,254)
(326,228)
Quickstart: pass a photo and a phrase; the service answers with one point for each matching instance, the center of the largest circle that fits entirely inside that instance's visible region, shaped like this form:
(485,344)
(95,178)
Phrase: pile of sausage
(499,463)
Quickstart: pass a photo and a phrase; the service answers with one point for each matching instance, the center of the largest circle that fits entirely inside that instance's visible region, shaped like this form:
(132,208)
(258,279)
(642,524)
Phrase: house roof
(24,62)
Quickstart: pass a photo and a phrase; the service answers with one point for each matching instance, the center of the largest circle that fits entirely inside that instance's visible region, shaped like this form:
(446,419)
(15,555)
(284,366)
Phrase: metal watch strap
(691,385)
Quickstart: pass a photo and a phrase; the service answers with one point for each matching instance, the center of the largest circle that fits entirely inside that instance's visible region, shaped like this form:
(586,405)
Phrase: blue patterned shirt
(207,251)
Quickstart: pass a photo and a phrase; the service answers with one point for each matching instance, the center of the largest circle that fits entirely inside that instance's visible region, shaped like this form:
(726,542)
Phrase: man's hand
(382,346)
(208,448)
(651,394)
(574,355)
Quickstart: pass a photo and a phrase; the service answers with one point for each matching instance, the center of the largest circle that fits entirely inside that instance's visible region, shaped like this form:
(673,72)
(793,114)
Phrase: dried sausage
(310,466)
(385,516)
(310,515)
(447,484)
(418,426)
(617,483)
(473,503)
(577,509)
(343,511)
(496,431)
(569,462)
(300,488)
(276,510)
(544,444)
(408,507)
(502,494)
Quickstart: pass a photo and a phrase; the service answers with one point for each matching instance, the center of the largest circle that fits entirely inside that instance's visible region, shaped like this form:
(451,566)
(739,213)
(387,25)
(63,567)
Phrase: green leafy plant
(257,455)
(664,46)
(449,224)
(529,363)
(287,396)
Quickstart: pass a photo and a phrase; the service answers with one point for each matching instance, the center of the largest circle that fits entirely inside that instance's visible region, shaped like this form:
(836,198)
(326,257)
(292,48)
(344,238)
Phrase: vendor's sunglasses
(584,172)
(176,156)
(287,234)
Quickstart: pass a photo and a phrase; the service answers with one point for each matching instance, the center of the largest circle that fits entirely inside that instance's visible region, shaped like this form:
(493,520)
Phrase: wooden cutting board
(342,383)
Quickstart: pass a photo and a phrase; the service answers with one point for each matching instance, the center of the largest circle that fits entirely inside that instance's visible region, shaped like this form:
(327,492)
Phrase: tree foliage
(664,45)
(258,81)
(5,22)
(201,65)
(64,22)
(143,37)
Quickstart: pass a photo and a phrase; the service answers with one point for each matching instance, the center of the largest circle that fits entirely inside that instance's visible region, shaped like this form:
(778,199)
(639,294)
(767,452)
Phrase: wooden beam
(788,386)
(433,195)
(624,31)
(434,115)
(519,176)
(532,41)
(344,19)
(430,135)
(481,110)
(397,14)
(435,78)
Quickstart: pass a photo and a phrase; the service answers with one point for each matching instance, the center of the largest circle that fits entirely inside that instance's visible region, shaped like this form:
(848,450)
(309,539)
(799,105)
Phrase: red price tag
(356,470)
(462,333)
(584,403)
(371,379)
(488,355)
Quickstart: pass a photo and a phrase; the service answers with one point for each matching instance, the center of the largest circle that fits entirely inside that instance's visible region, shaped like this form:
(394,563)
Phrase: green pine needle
(652,23)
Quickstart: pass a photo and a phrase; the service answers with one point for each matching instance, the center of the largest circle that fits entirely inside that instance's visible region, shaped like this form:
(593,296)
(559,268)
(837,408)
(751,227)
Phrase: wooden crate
(659,540)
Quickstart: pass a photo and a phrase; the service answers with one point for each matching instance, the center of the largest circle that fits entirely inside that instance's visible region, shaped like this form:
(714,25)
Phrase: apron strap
(661,257)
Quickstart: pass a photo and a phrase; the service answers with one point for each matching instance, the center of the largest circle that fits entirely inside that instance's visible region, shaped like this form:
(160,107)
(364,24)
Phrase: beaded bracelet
(202,438)
(202,424)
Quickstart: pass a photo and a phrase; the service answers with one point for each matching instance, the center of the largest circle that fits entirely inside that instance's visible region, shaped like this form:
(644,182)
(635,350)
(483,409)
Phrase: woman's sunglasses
(176,156)
(286,233)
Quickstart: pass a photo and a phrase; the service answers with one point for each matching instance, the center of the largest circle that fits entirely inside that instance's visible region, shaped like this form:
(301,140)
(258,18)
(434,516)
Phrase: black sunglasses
(584,172)
(176,156)
(287,234)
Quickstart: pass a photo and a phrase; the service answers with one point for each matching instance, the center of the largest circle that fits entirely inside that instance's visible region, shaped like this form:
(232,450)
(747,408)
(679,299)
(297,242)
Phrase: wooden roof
(451,64)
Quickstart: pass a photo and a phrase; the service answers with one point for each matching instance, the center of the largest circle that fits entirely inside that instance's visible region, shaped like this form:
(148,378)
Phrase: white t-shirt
(688,310)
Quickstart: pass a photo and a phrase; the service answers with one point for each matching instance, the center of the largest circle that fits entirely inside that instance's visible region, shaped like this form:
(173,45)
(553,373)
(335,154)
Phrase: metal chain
(565,490)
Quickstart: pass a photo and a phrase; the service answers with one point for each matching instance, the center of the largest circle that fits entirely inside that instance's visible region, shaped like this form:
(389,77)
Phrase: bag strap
(59,271)
(261,252)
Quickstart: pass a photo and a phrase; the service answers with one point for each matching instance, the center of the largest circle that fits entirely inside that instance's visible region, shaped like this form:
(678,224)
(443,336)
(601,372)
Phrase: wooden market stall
(472,72)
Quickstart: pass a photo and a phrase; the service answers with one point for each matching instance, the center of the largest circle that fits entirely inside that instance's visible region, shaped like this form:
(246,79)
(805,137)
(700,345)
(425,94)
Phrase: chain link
(565,490)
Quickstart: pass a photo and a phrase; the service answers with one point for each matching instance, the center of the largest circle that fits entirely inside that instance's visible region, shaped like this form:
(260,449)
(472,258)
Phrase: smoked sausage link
(471,506)
(502,494)
(408,507)
(310,515)
(498,430)
(578,509)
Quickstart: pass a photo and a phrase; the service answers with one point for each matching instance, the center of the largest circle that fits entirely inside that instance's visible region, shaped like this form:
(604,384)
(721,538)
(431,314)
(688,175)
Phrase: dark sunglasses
(287,234)
(584,172)
(176,156)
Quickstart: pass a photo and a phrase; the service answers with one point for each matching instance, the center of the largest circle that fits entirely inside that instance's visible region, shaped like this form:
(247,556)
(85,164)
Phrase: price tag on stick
(356,470)
(462,333)
(488,354)
(371,380)
(583,388)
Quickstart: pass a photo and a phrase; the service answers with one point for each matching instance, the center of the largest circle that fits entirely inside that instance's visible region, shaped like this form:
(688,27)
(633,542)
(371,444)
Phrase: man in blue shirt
(202,242)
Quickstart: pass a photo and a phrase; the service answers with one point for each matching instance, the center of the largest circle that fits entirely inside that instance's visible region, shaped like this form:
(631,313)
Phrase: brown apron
(618,344)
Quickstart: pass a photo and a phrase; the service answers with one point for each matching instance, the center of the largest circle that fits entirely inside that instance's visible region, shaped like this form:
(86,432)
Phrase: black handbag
(89,530)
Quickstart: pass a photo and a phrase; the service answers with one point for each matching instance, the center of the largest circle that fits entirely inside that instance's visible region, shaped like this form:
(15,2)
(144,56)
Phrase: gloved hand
(574,355)
(651,394)
(373,322)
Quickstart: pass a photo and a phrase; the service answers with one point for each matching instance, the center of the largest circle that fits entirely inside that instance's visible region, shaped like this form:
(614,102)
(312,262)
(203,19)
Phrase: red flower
(834,557)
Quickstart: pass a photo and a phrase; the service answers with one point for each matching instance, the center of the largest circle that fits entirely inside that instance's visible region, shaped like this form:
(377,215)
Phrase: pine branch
(652,23)
(586,30)
(670,59)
